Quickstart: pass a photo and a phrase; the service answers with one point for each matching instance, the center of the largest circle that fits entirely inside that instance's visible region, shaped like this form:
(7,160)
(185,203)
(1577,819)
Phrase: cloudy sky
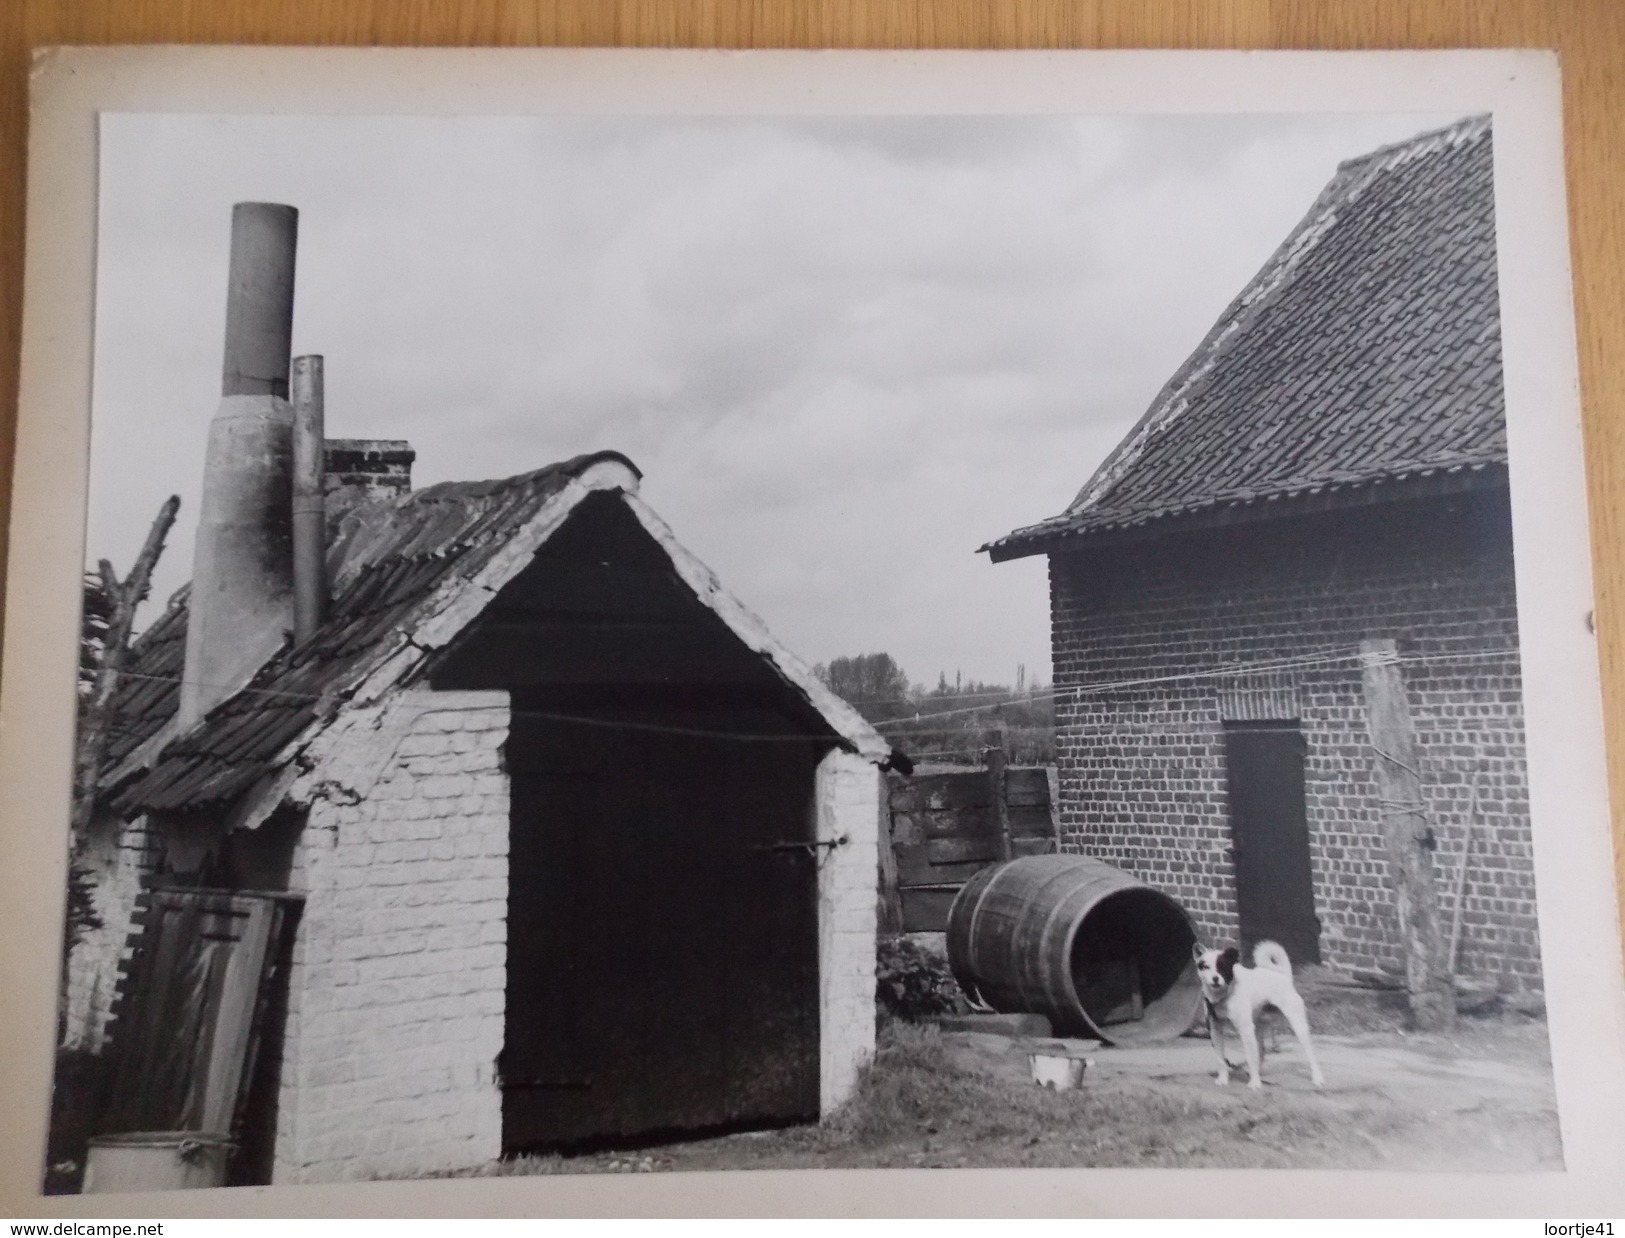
(845,353)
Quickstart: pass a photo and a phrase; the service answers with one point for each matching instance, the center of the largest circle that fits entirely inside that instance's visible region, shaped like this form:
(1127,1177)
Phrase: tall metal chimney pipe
(309,504)
(242,568)
(259,299)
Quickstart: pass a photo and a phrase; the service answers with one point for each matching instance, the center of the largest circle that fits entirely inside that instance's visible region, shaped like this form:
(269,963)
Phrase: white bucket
(156,1161)
(1055,1071)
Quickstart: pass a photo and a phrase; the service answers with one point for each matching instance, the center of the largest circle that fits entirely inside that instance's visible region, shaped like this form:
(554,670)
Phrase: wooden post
(1410,842)
(95,715)
(1461,876)
(95,723)
(994,759)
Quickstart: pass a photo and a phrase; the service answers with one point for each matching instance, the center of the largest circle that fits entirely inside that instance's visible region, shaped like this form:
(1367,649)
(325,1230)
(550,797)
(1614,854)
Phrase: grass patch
(932,1099)
(912,1082)
(922,1102)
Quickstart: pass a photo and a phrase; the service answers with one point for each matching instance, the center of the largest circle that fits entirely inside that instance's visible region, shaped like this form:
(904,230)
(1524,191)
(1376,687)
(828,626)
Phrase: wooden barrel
(1068,936)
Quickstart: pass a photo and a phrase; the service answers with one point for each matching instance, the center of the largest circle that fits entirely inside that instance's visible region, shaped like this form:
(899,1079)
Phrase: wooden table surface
(1589,34)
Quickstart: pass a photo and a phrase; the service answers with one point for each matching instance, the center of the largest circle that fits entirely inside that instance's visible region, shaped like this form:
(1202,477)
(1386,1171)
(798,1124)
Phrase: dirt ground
(1479,1099)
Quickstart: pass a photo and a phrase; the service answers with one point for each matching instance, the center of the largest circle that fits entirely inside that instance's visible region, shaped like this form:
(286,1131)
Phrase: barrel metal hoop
(973,938)
(1057,906)
(1071,934)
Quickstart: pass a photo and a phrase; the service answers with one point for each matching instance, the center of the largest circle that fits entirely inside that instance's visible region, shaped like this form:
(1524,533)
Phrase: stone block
(1014,1025)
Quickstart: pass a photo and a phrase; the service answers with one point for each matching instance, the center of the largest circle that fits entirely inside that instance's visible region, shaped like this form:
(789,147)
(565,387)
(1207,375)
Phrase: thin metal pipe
(309,502)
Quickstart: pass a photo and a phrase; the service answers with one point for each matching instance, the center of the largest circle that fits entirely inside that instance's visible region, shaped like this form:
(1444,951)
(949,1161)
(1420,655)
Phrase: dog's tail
(1270,954)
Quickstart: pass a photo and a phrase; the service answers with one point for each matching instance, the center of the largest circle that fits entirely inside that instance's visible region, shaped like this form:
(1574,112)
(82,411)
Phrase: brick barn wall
(396,991)
(1142,770)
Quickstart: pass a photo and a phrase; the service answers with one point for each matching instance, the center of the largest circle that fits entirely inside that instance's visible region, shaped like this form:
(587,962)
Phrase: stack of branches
(106,624)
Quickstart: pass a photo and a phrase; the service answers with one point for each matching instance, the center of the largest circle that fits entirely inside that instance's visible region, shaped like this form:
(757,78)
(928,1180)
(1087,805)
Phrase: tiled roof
(1367,350)
(388,563)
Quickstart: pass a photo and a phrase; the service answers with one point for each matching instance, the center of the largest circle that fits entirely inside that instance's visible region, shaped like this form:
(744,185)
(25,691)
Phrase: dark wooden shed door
(190,1010)
(662,949)
(1275,896)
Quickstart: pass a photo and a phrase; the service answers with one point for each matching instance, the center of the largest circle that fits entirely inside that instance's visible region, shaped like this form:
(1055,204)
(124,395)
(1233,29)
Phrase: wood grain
(1589,34)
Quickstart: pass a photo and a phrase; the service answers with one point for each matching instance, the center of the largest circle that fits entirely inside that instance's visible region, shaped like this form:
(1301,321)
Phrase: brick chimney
(242,567)
(361,470)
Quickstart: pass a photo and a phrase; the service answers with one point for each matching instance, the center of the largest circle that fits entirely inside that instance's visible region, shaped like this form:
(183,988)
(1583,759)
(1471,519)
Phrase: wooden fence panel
(945,828)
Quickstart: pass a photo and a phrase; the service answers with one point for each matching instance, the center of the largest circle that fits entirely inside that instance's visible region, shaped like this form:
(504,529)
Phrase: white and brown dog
(1236,993)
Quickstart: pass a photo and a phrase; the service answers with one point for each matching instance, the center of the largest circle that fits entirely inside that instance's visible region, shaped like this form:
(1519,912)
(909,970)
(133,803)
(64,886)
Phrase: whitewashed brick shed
(567,847)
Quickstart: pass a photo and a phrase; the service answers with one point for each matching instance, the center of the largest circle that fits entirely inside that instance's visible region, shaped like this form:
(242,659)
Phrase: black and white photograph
(632,644)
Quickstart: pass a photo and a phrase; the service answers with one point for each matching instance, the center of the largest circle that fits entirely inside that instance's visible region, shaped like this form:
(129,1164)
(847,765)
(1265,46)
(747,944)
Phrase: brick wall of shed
(848,798)
(1142,768)
(120,856)
(397,987)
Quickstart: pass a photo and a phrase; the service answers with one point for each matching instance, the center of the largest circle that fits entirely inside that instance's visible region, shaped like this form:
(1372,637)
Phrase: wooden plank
(906,828)
(902,794)
(1408,837)
(963,850)
(917,876)
(1031,821)
(995,759)
(151,1049)
(915,867)
(239,998)
(1031,846)
(1026,786)
(926,911)
(960,823)
(938,792)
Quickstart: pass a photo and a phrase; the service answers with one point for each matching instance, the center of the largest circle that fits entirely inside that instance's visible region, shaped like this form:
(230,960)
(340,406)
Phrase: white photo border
(1578,905)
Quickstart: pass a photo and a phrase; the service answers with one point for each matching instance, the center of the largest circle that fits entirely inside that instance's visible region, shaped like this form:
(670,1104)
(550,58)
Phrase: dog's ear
(1196,951)
(1227,963)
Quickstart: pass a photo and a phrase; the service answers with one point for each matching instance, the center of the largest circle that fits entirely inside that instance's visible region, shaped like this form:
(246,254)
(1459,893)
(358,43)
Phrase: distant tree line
(952,723)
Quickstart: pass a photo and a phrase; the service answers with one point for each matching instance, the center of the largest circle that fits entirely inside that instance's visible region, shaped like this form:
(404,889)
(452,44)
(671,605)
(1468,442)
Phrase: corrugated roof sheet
(1368,349)
(144,701)
(388,561)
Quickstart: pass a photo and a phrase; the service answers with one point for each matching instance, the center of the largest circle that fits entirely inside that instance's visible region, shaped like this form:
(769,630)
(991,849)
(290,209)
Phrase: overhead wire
(1222,672)
(1228,670)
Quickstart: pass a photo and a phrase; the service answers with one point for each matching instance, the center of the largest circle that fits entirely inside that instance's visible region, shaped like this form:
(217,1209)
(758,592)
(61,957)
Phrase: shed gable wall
(395,1000)
(1142,773)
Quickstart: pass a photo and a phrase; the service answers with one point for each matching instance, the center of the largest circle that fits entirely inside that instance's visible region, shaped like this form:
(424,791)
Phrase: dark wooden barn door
(662,948)
(1275,897)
